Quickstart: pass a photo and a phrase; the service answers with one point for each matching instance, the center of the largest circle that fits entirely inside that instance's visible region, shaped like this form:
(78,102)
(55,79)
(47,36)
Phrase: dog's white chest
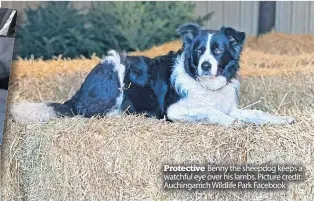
(222,99)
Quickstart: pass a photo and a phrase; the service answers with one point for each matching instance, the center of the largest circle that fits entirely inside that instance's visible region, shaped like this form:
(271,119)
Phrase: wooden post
(267,15)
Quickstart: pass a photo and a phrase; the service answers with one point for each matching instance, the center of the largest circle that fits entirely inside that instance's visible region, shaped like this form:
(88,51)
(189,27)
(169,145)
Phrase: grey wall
(295,17)
(240,15)
(291,17)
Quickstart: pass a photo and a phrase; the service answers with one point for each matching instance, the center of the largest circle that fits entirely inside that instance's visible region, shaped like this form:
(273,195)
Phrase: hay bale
(121,157)
(282,44)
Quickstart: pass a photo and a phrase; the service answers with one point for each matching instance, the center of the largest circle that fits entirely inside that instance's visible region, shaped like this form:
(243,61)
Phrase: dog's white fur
(114,58)
(26,112)
(216,105)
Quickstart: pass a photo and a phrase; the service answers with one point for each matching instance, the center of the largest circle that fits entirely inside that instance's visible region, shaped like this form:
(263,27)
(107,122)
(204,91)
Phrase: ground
(121,158)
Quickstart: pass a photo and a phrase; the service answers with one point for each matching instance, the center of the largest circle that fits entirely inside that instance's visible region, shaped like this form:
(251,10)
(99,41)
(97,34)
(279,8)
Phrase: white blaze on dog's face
(207,64)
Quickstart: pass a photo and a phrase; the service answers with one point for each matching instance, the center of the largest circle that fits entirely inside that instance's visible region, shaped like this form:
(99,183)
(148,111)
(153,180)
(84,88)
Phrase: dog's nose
(206,66)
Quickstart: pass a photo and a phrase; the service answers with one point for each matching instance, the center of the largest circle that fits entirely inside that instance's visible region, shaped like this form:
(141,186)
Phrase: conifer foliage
(59,29)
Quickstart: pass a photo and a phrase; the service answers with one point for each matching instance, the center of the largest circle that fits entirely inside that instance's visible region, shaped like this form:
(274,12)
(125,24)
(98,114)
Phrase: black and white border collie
(198,83)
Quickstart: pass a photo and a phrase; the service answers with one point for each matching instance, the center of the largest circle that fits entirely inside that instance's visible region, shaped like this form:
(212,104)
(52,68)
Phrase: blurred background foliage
(59,29)
(55,29)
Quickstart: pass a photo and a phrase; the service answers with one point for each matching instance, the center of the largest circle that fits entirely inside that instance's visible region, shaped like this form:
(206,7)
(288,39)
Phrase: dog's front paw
(289,120)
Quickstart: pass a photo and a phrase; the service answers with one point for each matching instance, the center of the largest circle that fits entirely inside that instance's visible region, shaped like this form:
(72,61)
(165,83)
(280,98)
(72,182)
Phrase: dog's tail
(39,112)
(26,112)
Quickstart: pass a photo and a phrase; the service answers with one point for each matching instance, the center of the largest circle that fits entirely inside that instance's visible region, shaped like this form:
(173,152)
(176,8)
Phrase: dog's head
(211,53)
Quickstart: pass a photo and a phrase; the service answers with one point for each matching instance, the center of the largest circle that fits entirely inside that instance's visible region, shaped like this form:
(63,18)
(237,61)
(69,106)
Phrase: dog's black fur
(147,89)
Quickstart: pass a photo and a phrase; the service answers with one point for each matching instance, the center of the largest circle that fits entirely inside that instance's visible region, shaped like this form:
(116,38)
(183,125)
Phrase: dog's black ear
(236,40)
(188,32)
(235,37)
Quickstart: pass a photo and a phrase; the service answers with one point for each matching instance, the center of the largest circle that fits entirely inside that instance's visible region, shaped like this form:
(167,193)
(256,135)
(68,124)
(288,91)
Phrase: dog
(198,83)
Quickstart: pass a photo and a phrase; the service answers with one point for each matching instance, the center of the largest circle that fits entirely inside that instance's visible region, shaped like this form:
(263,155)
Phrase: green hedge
(57,28)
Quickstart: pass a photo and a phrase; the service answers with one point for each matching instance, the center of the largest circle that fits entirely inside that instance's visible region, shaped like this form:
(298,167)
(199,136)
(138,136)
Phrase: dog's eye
(232,40)
(218,51)
(200,51)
